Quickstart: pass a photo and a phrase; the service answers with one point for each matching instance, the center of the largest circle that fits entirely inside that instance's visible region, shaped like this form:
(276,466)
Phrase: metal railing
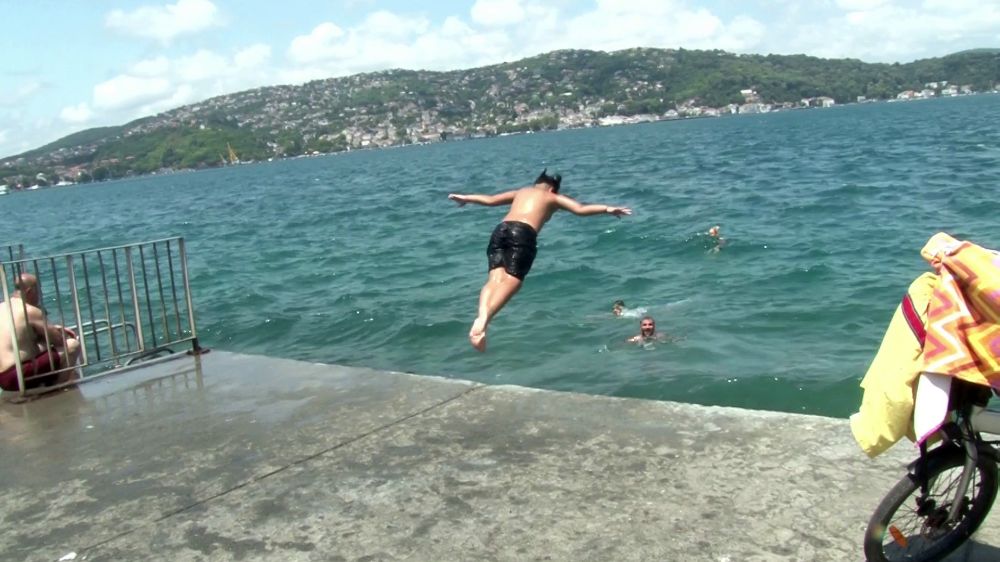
(11,252)
(119,305)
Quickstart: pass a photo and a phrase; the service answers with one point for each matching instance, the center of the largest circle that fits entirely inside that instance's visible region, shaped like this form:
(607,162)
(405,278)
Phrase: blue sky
(69,65)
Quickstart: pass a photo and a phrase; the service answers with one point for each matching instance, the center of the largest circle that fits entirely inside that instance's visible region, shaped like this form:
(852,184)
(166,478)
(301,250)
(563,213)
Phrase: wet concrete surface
(238,457)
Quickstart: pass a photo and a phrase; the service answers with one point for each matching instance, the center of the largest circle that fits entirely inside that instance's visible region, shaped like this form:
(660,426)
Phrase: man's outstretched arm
(504,198)
(577,208)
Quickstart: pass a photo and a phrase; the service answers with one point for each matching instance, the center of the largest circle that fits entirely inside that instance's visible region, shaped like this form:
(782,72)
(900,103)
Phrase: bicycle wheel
(903,529)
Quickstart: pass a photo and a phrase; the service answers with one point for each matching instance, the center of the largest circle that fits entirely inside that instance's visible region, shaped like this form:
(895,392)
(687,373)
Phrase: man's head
(647,326)
(714,231)
(551,181)
(27,288)
(618,307)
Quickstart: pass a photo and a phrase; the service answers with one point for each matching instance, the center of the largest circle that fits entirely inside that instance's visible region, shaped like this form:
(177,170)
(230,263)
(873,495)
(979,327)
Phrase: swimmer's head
(552,181)
(647,326)
(714,231)
(618,307)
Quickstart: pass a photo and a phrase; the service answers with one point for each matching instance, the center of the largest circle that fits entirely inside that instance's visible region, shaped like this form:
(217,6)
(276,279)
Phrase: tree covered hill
(558,89)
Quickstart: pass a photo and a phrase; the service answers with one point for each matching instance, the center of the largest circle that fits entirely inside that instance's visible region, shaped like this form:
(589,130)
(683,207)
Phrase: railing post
(195,347)
(76,310)
(13,331)
(135,299)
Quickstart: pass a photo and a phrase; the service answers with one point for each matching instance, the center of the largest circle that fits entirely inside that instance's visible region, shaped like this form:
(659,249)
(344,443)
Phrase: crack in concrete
(276,471)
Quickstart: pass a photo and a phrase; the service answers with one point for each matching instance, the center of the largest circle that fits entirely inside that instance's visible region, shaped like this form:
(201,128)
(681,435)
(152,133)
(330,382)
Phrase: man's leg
(499,288)
(68,357)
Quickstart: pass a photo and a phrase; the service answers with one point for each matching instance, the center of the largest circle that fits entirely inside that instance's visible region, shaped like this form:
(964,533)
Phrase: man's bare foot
(477,335)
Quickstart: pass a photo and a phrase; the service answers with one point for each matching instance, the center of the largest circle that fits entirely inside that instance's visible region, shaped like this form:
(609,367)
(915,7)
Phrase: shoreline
(626,121)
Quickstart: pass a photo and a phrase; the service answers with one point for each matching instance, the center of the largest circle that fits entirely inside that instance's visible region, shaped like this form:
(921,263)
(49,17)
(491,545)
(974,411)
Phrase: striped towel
(963,316)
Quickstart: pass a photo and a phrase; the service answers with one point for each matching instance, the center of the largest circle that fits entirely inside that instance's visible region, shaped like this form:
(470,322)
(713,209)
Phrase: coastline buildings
(559,90)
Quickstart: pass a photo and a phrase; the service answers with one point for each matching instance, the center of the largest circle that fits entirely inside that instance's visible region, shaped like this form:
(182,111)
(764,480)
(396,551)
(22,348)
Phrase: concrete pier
(238,457)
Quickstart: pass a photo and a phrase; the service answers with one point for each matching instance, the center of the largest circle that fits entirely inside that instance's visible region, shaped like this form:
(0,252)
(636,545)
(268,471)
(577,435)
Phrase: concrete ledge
(236,457)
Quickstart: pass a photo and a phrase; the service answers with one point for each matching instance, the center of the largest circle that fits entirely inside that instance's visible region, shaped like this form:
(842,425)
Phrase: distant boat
(233,159)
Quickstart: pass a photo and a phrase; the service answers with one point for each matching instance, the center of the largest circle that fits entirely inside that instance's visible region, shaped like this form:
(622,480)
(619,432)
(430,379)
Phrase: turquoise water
(360,259)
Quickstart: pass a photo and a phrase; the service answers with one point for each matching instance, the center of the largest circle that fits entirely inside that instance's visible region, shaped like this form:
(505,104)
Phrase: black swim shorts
(512,246)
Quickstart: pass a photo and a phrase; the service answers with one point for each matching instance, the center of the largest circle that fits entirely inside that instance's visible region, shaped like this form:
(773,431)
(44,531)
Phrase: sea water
(360,259)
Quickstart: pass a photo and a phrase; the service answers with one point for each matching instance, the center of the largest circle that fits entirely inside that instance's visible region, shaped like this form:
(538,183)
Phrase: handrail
(11,252)
(123,303)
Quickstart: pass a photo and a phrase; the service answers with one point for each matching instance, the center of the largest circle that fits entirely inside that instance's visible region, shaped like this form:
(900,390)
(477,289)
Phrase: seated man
(647,331)
(37,356)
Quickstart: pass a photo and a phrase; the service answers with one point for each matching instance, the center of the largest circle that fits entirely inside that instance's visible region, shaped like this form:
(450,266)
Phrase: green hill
(559,89)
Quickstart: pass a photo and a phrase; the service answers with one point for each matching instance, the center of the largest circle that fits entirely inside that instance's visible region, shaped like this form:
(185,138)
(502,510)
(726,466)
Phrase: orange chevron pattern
(963,315)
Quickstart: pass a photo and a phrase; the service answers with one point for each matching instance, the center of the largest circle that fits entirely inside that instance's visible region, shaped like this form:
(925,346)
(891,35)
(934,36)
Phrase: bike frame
(962,432)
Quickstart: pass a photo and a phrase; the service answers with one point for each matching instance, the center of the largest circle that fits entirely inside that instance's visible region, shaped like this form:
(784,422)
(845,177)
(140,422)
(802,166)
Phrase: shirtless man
(31,329)
(647,331)
(719,240)
(513,244)
(618,308)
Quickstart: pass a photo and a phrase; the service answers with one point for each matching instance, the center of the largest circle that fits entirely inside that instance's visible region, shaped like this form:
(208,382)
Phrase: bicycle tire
(929,541)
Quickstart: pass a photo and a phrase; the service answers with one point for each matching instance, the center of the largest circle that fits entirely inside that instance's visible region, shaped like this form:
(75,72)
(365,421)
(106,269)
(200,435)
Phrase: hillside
(559,89)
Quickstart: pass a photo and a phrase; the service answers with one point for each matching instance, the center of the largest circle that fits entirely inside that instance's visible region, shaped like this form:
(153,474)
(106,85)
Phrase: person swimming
(718,239)
(618,308)
(647,332)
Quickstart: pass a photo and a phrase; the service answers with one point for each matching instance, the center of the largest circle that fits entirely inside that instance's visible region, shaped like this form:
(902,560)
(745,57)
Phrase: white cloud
(319,44)
(76,114)
(159,83)
(388,40)
(164,23)
(20,93)
(388,24)
(202,65)
(125,91)
(253,56)
(181,95)
(497,12)
(156,66)
(860,5)
(621,24)
(890,32)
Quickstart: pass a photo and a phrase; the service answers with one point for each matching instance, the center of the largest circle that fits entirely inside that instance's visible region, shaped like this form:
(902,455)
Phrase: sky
(68,65)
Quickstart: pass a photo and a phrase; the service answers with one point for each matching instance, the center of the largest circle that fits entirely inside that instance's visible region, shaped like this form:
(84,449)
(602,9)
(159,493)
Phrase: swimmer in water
(514,242)
(618,308)
(647,332)
(719,240)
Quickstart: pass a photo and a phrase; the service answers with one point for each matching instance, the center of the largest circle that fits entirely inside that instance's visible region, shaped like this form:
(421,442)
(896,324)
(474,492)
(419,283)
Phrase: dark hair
(554,181)
(619,303)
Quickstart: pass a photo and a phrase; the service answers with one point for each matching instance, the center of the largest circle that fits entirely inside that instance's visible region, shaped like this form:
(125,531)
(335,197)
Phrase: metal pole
(121,299)
(13,332)
(107,305)
(173,291)
(135,299)
(90,306)
(59,304)
(187,292)
(145,286)
(163,301)
(76,309)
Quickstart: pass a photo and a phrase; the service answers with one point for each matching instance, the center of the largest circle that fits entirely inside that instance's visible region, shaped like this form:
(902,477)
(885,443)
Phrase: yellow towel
(886,413)
(963,318)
